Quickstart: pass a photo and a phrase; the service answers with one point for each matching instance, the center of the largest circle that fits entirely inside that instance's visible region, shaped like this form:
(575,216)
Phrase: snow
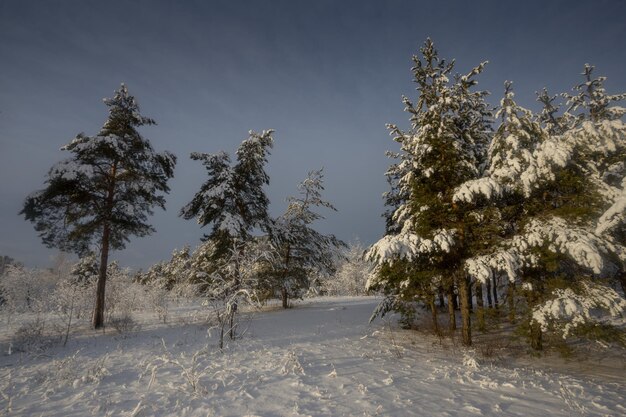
(613,216)
(410,246)
(576,309)
(319,359)
(586,249)
(470,190)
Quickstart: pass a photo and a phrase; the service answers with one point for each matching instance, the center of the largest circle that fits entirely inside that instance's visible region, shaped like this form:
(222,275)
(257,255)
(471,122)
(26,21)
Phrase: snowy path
(319,359)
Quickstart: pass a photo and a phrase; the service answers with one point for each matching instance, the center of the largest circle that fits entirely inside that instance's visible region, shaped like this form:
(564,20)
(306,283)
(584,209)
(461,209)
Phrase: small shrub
(124,324)
(30,337)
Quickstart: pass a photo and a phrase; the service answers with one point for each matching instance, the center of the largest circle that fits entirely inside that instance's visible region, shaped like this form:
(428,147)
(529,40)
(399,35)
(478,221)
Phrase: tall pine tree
(428,233)
(104,192)
(557,173)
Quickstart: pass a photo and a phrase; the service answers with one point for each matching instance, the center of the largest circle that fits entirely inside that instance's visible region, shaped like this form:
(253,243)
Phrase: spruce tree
(104,192)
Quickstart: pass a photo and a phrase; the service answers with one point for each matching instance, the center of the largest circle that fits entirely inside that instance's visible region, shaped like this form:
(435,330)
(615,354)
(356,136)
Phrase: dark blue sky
(326,75)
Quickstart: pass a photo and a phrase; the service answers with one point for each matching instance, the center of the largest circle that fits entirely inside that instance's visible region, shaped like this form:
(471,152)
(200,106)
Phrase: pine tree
(301,249)
(552,172)
(427,232)
(104,193)
(232,200)
(601,123)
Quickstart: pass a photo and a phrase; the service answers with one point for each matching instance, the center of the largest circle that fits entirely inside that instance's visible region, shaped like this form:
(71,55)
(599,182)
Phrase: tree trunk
(231,323)
(469,296)
(621,276)
(511,302)
(442,303)
(495,292)
(464,290)
(284,294)
(451,313)
(536,342)
(98,312)
(69,321)
(480,306)
(433,310)
(285,297)
(222,324)
(489,300)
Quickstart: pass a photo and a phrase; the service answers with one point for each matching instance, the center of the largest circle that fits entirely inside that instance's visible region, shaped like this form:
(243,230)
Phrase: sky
(326,75)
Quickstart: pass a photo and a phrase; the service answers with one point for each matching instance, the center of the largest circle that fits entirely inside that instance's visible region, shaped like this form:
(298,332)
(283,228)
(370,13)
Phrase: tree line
(100,196)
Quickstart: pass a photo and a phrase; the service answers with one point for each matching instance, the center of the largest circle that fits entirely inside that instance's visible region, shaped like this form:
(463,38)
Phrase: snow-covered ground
(321,358)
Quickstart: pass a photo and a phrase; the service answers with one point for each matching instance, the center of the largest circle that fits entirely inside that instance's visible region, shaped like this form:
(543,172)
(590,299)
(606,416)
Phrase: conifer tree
(232,200)
(427,232)
(104,192)
(301,249)
(552,170)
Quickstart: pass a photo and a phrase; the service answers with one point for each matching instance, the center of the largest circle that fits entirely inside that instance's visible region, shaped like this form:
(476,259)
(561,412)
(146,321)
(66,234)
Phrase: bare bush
(30,337)
(124,324)
(352,274)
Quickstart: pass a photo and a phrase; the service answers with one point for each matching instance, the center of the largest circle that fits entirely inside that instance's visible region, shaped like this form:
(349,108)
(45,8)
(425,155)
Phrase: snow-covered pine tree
(552,179)
(427,232)
(301,249)
(232,200)
(103,194)
(489,201)
(601,124)
(85,271)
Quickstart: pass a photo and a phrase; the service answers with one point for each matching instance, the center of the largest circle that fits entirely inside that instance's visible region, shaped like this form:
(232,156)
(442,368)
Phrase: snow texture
(572,309)
(320,358)
(585,248)
(410,246)
(469,191)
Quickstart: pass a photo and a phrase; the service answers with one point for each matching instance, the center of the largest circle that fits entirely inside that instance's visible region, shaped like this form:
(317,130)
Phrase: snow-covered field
(321,358)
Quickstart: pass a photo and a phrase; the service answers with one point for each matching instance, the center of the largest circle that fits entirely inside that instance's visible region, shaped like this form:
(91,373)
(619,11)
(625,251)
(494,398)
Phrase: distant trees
(352,273)
(5,262)
(104,192)
(232,201)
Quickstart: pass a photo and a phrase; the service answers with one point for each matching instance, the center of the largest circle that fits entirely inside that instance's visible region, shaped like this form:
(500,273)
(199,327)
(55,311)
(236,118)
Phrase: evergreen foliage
(445,147)
(557,172)
(301,250)
(105,191)
(539,202)
(232,200)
